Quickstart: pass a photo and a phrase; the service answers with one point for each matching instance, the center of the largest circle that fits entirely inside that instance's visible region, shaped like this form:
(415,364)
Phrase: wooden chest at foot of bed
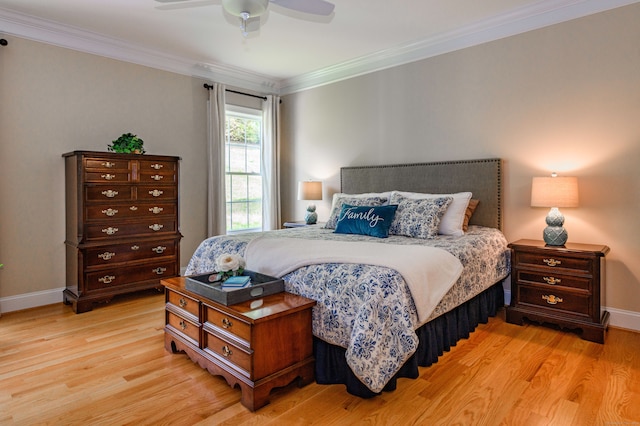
(258,344)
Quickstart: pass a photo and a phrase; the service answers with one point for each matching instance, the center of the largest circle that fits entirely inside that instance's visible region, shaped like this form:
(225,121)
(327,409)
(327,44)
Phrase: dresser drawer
(158,166)
(157,192)
(123,176)
(106,279)
(132,210)
(113,230)
(552,260)
(92,164)
(184,302)
(552,279)
(182,326)
(221,320)
(554,298)
(109,193)
(234,354)
(118,253)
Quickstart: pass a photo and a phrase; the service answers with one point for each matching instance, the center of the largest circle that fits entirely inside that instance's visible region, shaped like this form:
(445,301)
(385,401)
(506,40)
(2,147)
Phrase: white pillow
(451,222)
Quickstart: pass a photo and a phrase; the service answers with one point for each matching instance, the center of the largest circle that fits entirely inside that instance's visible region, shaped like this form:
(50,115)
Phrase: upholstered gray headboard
(482,177)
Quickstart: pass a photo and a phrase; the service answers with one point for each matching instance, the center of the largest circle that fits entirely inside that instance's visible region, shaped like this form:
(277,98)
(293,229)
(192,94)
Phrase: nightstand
(301,223)
(564,286)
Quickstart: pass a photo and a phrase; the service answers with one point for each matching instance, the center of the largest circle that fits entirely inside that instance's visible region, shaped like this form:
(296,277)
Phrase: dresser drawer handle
(183,325)
(226,351)
(156,210)
(110,212)
(159,249)
(107,255)
(135,247)
(226,323)
(157,177)
(107,279)
(552,262)
(110,230)
(182,302)
(110,193)
(156,227)
(551,299)
(108,176)
(108,164)
(156,166)
(552,280)
(159,270)
(156,193)
(133,208)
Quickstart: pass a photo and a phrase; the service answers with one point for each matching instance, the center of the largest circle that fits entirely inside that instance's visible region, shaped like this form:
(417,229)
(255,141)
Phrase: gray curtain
(271,163)
(216,200)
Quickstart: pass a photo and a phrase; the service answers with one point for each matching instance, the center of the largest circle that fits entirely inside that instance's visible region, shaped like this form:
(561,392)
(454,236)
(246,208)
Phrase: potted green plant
(128,143)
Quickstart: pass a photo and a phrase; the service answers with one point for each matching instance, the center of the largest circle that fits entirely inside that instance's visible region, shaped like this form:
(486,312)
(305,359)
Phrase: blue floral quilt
(368,310)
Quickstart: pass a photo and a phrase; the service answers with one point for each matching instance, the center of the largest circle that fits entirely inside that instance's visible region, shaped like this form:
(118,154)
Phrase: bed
(374,322)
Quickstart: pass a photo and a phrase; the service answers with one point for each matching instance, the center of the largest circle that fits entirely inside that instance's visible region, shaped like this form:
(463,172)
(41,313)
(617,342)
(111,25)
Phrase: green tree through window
(243,143)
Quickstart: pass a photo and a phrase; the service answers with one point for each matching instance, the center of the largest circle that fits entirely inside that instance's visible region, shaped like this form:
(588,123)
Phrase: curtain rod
(209,87)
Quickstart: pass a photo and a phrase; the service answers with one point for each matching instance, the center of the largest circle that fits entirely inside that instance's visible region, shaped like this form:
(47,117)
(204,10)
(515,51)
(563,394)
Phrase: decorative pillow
(473,203)
(352,201)
(451,223)
(366,220)
(418,218)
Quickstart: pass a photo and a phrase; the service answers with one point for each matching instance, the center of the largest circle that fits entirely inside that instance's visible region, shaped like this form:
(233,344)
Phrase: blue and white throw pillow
(374,221)
(352,201)
(418,218)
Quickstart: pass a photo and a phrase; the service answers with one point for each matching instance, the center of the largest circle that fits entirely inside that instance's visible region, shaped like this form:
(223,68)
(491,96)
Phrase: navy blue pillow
(374,221)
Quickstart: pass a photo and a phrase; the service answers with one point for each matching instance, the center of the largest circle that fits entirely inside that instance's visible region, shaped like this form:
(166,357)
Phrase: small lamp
(310,190)
(554,192)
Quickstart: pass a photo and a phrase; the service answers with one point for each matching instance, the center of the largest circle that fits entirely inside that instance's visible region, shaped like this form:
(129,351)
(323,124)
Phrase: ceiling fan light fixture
(254,8)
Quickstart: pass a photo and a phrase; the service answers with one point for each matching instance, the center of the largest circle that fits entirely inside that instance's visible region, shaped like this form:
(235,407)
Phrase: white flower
(229,262)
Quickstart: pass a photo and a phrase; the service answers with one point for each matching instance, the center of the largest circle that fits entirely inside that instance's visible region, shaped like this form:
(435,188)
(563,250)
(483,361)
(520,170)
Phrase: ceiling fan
(249,11)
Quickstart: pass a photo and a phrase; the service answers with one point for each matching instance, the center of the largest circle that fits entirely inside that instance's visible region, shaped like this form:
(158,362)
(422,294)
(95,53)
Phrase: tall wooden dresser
(122,231)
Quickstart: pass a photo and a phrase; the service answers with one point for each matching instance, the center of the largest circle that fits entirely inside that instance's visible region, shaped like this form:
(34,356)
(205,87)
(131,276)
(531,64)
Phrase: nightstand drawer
(552,260)
(551,279)
(556,299)
(236,355)
(187,329)
(183,302)
(229,324)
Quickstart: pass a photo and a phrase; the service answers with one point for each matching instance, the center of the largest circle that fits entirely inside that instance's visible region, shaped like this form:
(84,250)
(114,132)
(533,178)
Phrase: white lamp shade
(310,190)
(554,192)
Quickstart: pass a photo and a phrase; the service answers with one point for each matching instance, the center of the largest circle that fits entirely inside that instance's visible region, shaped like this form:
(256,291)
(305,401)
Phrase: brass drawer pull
(552,262)
(226,351)
(156,166)
(108,164)
(133,208)
(159,249)
(157,177)
(551,299)
(183,325)
(107,255)
(156,210)
(182,302)
(107,279)
(156,227)
(159,270)
(110,212)
(156,193)
(552,280)
(135,247)
(108,176)
(109,193)
(226,323)
(110,230)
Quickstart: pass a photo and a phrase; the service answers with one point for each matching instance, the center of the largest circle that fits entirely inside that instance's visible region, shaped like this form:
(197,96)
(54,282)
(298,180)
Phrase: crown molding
(538,15)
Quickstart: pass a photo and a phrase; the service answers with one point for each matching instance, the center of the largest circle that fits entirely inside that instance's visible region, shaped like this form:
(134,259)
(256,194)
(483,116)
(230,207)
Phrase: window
(243,177)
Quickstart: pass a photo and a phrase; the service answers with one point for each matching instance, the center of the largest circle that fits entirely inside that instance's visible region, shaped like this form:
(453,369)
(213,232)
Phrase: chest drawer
(113,230)
(92,164)
(109,193)
(132,210)
(543,260)
(184,302)
(109,278)
(556,299)
(118,253)
(230,352)
(157,192)
(552,278)
(184,327)
(229,324)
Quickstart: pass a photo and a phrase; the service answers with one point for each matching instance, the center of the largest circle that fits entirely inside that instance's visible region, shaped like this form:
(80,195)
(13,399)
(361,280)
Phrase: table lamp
(310,190)
(554,192)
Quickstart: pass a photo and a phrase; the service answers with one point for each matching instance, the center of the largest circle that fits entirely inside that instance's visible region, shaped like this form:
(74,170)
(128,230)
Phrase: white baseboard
(31,300)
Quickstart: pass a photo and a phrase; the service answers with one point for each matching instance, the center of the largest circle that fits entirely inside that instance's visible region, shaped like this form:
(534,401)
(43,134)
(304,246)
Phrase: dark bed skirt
(436,337)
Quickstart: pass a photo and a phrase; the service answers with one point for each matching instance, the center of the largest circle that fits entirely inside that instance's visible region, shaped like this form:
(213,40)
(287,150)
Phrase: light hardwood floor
(109,367)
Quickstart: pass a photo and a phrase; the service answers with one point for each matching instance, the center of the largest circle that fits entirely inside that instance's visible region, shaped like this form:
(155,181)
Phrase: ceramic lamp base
(554,234)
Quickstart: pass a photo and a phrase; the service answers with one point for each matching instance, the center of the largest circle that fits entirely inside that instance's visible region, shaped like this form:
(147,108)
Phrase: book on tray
(239,281)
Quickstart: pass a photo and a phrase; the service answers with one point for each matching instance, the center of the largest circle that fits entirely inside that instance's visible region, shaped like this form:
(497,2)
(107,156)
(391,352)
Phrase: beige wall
(564,98)
(55,100)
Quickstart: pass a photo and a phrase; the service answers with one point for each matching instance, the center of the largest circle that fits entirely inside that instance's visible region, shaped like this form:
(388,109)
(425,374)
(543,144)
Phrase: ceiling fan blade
(313,7)
(170,1)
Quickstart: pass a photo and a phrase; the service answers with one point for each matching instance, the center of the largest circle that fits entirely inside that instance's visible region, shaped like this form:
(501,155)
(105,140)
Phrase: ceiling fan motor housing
(252,7)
